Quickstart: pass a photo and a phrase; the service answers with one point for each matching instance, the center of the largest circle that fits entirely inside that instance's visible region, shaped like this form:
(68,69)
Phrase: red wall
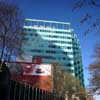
(42,82)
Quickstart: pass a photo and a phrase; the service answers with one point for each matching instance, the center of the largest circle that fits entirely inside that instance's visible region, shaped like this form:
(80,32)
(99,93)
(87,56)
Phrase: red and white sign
(37,75)
(37,69)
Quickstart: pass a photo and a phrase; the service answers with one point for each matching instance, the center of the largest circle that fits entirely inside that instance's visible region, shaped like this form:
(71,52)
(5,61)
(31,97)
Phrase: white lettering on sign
(37,69)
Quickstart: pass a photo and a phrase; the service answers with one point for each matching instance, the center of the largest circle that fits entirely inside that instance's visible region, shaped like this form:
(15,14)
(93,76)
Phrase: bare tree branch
(95,3)
(94,69)
(11,30)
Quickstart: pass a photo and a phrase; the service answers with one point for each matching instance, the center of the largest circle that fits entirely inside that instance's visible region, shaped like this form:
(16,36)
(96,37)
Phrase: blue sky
(61,10)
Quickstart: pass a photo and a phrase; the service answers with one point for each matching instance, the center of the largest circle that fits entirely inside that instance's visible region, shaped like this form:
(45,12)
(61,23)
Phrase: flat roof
(46,21)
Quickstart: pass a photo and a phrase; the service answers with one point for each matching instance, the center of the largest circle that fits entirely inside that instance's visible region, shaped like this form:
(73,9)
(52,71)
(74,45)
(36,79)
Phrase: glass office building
(54,42)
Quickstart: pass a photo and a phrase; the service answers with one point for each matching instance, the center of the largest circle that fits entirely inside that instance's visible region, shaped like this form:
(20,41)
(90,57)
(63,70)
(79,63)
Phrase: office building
(54,42)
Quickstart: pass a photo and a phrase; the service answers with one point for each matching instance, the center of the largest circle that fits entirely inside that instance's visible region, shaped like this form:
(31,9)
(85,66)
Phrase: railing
(19,91)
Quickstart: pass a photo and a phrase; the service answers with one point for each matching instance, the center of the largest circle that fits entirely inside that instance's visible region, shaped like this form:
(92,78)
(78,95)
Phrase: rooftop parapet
(48,24)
